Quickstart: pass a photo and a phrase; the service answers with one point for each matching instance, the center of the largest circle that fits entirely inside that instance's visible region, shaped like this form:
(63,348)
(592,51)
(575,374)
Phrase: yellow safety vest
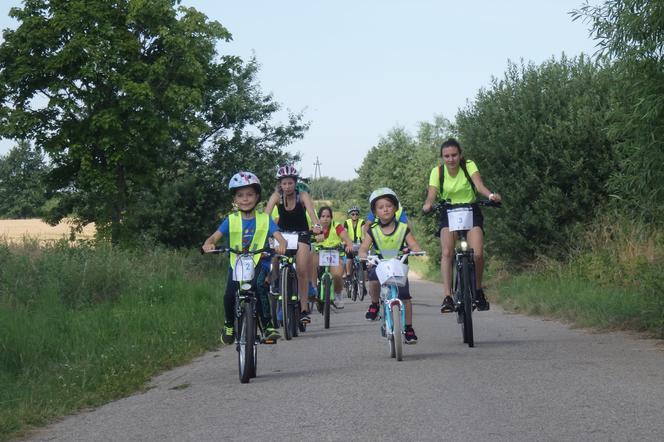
(356,234)
(257,242)
(389,246)
(332,239)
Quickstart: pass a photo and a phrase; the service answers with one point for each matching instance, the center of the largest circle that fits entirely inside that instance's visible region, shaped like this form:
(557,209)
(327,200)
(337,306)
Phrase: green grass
(85,325)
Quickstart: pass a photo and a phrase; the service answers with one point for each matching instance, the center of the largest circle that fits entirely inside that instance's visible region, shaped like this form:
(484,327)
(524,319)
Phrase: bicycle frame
(325,288)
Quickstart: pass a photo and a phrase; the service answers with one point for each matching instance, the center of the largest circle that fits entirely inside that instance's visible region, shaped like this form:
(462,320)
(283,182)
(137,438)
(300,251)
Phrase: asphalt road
(527,379)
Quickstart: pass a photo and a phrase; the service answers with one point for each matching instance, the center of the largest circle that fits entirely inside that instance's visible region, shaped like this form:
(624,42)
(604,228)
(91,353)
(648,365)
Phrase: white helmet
(288,171)
(383,192)
(244,179)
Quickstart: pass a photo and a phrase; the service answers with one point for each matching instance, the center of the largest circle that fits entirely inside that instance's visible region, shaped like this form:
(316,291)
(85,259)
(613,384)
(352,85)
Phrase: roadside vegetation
(82,325)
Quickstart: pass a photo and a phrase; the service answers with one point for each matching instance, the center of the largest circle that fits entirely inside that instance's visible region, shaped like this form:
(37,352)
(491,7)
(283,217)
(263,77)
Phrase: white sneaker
(338,301)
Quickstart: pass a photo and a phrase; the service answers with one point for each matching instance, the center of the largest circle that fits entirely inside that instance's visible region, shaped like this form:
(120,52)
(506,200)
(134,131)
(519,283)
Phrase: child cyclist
(247,229)
(388,237)
(332,236)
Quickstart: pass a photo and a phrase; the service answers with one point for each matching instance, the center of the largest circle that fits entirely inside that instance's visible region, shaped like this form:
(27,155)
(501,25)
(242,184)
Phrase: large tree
(125,96)
(630,33)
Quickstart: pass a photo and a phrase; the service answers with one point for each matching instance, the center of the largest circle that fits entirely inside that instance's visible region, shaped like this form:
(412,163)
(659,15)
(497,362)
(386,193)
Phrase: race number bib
(328,258)
(460,219)
(244,269)
(291,240)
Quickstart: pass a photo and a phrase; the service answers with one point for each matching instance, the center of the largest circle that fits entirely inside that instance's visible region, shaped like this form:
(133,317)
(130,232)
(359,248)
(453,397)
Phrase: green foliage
(630,33)
(22,188)
(119,94)
(538,137)
(80,326)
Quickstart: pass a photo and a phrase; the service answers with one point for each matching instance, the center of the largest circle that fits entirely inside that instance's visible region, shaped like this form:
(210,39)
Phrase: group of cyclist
(385,231)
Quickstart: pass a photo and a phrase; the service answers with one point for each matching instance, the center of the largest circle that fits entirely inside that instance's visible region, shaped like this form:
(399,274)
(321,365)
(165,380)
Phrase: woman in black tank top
(292,207)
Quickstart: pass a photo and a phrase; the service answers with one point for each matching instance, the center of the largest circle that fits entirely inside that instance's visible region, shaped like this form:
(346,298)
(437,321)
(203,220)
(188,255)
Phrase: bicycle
(392,274)
(354,283)
(460,220)
(327,257)
(287,305)
(247,325)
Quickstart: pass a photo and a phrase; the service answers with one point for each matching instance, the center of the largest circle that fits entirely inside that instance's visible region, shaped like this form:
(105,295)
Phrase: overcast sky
(357,69)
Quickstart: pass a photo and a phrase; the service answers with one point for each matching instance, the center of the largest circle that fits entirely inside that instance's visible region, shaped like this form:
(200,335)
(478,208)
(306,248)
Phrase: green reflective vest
(235,234)
(356,234)
(389,246)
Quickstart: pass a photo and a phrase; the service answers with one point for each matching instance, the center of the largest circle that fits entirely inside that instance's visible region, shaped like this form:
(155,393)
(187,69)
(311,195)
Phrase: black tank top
(293,220)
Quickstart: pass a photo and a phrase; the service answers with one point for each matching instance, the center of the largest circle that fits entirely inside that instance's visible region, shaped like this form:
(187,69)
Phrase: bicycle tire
(397,328)
(295,322)
(285,310)
(468,337)
(254,366)
(246,341)
(294,303)
(361,288)
(326,285)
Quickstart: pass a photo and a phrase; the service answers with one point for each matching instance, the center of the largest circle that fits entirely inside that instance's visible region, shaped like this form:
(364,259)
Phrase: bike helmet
(383,192)
(244,179)
(287,172)
(353,209)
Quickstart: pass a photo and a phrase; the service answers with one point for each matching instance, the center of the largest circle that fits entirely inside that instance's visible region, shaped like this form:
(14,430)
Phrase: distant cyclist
(459,183)
(247,229)
(354,226)
(293,207)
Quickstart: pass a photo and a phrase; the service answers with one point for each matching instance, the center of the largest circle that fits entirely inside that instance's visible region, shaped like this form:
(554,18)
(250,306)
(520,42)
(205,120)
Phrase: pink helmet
(244,179)
(287,172)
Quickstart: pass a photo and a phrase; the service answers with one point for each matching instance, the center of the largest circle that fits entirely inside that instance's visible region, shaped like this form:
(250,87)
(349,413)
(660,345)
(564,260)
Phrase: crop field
(17,229)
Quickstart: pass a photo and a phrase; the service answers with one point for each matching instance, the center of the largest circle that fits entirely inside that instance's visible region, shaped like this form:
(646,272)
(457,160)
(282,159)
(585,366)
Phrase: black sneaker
(304,317)
(411,337)
(448,305)
(372,313)
(481,302)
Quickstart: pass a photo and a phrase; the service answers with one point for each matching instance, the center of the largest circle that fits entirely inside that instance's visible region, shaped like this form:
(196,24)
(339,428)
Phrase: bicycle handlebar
(375,259)
(448,205)
(237,252)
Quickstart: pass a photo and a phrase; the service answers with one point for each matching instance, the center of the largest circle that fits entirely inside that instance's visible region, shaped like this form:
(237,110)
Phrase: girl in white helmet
(247,229)
(293,207)
(388,237)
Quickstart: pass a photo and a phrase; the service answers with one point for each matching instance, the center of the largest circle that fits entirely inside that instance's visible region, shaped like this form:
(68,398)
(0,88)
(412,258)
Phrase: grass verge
(80,326)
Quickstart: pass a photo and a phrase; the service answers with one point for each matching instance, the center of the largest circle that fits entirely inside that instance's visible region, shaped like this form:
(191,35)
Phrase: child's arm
(364,247)
(210,243)
(412,243)
(281,246)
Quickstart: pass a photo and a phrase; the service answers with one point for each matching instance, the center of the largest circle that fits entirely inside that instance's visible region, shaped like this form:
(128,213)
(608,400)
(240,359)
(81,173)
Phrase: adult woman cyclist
(461,182)
(293,207)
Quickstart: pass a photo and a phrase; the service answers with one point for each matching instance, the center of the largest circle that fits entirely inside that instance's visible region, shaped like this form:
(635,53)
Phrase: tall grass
(614,280)
(82,325)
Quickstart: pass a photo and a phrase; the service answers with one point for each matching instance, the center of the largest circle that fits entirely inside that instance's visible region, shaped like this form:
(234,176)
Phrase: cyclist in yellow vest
(461,182)
(388,237)
(332,236)
(247,229)
(355,228)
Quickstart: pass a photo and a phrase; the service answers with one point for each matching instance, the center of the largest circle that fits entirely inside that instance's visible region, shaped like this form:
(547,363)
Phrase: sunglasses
(354,213)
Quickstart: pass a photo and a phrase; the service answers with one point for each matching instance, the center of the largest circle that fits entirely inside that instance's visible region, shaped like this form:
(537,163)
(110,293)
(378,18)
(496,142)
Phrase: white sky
(359,68)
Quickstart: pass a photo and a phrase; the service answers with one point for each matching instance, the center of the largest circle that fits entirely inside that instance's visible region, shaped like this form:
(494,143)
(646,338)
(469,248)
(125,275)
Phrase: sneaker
(372,313)
(448,305)
(228,334)
(338,302)
(304,317)
(481,302)
(271,334)
(411,337)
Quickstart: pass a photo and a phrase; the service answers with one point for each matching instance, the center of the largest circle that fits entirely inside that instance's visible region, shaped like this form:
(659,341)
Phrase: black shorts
(478,219)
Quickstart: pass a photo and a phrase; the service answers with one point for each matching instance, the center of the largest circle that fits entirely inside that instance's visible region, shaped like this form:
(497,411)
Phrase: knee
(447,254)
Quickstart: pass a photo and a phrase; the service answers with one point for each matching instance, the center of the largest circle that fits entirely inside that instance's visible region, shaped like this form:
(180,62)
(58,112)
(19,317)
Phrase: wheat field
(18,229)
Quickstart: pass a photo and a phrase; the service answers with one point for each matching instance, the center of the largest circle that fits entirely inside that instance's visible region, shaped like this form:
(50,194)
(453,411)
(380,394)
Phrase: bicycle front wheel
(361,288)
(397,328)
(326,285)
(285,309)
(246,343)
(467,303)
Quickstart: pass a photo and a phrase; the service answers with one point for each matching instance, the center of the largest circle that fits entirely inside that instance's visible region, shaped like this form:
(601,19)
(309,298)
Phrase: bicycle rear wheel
(246,343)
(285,309)
(467,304)
(326,285)
(361,288)
(397,332)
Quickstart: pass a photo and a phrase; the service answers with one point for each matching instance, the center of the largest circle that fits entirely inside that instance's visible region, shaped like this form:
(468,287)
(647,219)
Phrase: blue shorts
(404,292)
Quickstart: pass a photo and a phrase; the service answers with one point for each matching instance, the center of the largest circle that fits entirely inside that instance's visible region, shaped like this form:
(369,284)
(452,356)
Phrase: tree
(22,190)
(124,96)
(539,138)
(630,34)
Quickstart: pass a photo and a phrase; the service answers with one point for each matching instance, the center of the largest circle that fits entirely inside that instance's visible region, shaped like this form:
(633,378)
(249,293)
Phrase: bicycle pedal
(269,341)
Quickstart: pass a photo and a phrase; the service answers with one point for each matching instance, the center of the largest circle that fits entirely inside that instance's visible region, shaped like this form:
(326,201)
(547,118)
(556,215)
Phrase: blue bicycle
(392,274)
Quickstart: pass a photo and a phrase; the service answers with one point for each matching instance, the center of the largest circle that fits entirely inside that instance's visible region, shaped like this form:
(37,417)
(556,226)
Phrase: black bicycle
(464,285)
(287,306)
(248,329)
(354,283)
